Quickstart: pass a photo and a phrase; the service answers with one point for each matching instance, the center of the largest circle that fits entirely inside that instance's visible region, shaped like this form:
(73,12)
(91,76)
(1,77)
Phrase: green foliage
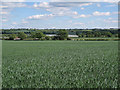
(81,35)
(62,34)
(95,39)
(43,38)
(12,36)
(56,38)
(69,38)
(116,35)
(33,34)
(47,38)
(109,34)
(22,35)
(79,32)
(28,39)
(39,35)
(59,64)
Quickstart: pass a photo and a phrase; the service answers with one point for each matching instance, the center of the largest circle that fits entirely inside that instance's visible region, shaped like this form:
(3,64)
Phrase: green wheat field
(59,64)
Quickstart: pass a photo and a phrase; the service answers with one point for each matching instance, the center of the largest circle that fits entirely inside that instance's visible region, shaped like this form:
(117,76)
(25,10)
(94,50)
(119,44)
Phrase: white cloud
(4,20)
(111,20)
(42,16)
(3,12)
(85,4)
(53,27)
(13,0)
(115,12)
(111,5)
(79,23)
(81,16)
(85,0)
(82,8)
(70,21)
(96,13)
(114,21)
(35,5)
(23,21)
(12,5)
(7,7)
(62,11)
(14,23)
(42,5)
(3,6)
(60,4)
(98,5)
(61,0)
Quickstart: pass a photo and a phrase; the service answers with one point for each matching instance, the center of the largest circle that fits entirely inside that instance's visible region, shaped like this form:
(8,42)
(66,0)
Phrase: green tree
(12,36)
(97,34)
(109,34)
(62,34)
(47,37)
(22,35)
(78,33)
(39,35)
(33,35)
(116,35)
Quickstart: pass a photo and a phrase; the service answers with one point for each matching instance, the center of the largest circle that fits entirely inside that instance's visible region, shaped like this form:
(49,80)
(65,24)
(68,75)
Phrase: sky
(43,15)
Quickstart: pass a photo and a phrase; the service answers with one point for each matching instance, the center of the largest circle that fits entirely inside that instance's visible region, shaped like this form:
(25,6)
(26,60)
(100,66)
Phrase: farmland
(59,64)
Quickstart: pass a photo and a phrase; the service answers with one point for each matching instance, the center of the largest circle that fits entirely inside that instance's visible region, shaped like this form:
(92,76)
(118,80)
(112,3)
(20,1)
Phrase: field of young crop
(60,64)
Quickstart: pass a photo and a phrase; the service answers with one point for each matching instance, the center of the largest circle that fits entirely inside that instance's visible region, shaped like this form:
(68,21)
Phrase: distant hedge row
(96,39)
(86,39)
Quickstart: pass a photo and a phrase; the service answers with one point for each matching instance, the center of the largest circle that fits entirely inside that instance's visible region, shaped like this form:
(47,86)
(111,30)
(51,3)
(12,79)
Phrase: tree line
(97,34)
(54,31)
(61,35)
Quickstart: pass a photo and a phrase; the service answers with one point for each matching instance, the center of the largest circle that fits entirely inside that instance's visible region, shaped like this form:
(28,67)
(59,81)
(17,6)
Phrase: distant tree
(22,35)
(69,38)
(33,34)
(62,34)
(47,37)
(39,35)
(78,33)
(109,34)
(81,35)
(56,38)
(84,35)
(97,34)
(12,36)
(116,35)
(89,34)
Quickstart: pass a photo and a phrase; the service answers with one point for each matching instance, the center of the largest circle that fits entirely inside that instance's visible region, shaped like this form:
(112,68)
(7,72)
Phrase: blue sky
(59,15)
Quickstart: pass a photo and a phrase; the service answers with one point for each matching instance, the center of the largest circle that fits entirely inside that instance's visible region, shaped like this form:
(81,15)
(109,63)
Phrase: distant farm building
(72,35)
(56,35)
(51,35)
(17,38)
